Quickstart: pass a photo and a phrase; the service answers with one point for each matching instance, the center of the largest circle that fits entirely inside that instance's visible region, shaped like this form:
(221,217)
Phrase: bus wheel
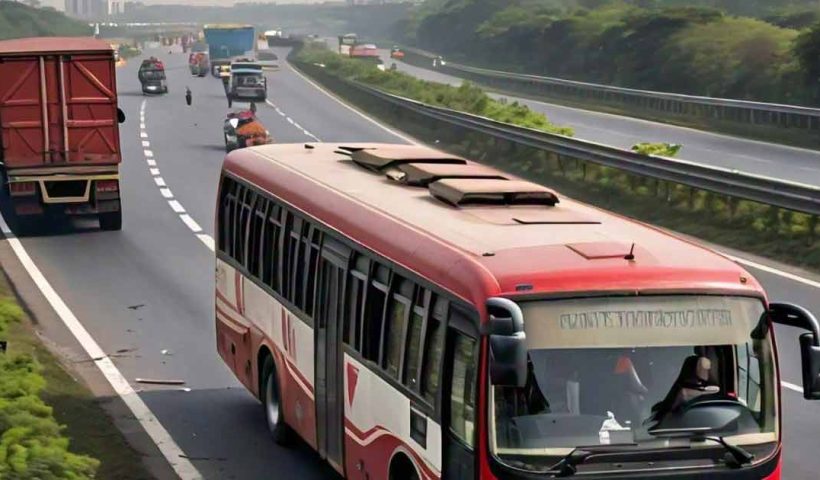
(274,412)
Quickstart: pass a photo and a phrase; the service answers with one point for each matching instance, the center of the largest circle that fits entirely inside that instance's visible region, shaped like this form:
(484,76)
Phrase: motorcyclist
(250,129)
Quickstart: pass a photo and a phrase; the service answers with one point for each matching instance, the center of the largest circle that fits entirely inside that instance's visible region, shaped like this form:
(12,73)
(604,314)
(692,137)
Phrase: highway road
(758,157)
(161,265)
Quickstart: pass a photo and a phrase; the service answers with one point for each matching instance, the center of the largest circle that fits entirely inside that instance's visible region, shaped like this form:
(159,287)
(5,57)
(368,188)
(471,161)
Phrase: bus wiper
(568,466)
(737,458)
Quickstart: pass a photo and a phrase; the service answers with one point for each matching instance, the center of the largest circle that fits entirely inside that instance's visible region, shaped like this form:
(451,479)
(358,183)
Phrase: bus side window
(356,297)
(270,246)
(415,339)
(236,224)
(462,391)
(374,313)
(312,243)
(290,264)
(257,222)
(399,308)
(433,350)
(226,201)
(245,218)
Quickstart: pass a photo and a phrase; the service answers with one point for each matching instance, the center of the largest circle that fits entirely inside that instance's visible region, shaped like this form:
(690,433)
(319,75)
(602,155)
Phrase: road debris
(160,381)
(136,307)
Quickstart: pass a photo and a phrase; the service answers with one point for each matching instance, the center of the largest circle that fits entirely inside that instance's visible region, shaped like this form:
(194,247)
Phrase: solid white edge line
(190,222)
(351,108)
(176,206)
(772,270)
(163,440)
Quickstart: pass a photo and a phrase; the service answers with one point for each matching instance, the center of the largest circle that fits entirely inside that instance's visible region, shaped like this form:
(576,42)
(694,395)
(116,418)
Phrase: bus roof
(476,233)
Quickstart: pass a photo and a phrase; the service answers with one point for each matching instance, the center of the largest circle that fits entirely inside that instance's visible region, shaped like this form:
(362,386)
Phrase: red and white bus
(414,315)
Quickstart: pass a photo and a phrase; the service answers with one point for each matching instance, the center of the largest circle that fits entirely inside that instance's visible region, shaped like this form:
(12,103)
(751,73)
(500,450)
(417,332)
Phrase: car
(243,129)
(151,75)
(267,59)
(247,82)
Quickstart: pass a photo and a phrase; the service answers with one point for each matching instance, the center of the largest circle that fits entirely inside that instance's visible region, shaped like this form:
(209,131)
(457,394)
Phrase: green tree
(807,51)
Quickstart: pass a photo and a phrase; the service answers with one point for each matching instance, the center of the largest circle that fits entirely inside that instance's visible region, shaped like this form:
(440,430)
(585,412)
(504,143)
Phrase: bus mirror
(508,343)
(798,317)
(120,115)
(810,357)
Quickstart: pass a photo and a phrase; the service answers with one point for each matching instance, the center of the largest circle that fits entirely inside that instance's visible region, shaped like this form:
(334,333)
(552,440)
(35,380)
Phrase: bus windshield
(643,372)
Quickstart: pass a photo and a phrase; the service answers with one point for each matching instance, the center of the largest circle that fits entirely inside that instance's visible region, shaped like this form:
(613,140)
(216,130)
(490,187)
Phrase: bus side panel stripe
(297,401)
(380,443)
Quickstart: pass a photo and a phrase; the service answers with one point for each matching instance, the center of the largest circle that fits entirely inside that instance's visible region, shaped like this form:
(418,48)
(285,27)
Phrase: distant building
(94,8)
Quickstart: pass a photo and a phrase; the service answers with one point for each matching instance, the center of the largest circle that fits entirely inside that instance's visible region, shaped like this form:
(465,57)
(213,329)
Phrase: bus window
(228,204)
(414,340)
(236,225)
(291,274)
(311,266)
(433,349)
(396,322)
(374,313)
(270,247)
(257,221)
(462,392)
(356,301)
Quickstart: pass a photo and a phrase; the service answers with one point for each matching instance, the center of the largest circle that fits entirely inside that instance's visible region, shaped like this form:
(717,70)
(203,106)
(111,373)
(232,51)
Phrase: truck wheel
(111,221)
(272,402)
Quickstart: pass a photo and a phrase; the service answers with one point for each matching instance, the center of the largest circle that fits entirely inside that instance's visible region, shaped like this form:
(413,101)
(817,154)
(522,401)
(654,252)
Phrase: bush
(660,149)
(31,441)
(465,98)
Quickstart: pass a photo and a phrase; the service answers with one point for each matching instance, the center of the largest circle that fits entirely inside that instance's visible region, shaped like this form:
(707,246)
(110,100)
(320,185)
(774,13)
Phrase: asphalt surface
(159,268)
(757,157)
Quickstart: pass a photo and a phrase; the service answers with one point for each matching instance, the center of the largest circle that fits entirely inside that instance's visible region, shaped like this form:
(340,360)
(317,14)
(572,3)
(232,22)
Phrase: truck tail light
(21,189)
(107,186)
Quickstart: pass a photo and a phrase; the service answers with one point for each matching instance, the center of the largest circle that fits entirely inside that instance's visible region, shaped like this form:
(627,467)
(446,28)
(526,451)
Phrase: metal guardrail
(711,108)
(732,183)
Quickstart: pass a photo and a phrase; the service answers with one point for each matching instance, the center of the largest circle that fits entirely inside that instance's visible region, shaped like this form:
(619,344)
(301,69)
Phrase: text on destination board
(639,319)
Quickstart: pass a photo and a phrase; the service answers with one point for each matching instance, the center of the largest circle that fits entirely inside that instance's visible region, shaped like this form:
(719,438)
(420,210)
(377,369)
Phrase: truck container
(226,42)
(59,132)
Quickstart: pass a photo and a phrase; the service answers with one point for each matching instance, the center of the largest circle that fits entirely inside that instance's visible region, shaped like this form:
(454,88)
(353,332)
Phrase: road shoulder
(97,421)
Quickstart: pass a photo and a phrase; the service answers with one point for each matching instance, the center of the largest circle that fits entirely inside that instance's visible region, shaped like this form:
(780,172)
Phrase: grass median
(51,426)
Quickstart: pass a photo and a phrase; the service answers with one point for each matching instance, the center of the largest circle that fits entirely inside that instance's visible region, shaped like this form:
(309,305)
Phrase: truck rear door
(59,110)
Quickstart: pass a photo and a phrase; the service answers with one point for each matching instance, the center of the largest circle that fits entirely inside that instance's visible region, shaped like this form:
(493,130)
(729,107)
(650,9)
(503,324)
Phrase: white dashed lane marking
(292,121)
(165,191)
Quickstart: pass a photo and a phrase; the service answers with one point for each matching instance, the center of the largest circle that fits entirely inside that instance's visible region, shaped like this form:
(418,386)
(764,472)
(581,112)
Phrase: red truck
(59,129)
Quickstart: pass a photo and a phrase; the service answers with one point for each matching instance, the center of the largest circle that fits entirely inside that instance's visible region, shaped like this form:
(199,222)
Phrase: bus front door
(329,382)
